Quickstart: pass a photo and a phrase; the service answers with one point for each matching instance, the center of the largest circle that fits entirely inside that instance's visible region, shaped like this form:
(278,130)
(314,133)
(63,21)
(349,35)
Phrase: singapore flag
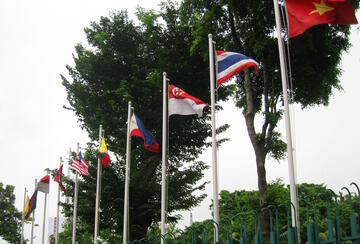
(184,104)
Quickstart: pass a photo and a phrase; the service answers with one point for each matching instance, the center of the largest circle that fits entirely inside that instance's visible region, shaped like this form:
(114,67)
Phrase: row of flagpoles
(30,204)
(177,101)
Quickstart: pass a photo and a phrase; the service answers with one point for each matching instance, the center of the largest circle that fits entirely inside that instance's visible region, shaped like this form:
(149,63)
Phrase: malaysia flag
(137,128)
(80,165)
(184,104)
(230,64)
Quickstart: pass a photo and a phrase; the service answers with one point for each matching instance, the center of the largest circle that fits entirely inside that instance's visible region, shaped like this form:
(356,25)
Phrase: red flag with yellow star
(303,14)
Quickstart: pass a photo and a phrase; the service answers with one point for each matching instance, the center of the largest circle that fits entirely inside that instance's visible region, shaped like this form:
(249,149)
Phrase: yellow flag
(103,146)
(26,208)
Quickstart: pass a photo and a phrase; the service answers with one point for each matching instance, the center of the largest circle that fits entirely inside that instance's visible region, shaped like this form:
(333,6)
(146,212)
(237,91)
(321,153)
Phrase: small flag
(80,165)
(137,128)
(104,156)
(58,178)
(306,13)
(184,104)
(32,205)
(26,207)
(43,184)
(230,64)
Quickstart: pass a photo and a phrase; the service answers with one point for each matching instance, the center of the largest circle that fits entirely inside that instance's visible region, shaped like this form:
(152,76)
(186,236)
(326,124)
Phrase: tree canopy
(124,62)
(10,217)
(248,27)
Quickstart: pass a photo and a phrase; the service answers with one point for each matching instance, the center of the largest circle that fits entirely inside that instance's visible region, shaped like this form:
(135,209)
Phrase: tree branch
(236,39)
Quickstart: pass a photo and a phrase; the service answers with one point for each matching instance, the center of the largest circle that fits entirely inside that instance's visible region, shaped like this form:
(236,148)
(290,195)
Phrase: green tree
(248,27)
(10,217)
(124,62)
(243,203)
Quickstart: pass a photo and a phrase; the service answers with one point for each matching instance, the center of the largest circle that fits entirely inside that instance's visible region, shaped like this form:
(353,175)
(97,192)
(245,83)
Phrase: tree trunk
(259,148)
(262,185)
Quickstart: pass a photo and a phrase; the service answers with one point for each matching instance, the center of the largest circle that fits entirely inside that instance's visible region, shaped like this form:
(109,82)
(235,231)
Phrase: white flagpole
(293,193)
(214,147)
(58,209)
(33,219)
(98,182)
(44,218)
(127,178)
(76,193)
(68,175)
(23,219)
(164,155)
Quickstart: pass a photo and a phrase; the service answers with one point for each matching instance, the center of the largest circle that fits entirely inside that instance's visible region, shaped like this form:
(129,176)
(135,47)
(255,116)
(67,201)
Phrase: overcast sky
(37,41)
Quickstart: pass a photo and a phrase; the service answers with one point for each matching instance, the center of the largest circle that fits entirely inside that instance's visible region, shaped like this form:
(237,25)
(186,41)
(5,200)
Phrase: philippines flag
(230,64)
(80,165)
(137,128)
(184,104)
(58,178)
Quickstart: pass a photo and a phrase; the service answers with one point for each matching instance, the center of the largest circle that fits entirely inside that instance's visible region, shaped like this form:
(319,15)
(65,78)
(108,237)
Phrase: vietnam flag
(303,14)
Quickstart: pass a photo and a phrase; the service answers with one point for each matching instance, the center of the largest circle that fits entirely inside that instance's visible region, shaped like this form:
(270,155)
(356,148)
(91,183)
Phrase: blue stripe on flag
(230,60)
(148,137)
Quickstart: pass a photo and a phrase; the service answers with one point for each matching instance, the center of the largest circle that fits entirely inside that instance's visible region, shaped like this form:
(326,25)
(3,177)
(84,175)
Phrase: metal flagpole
(127,177)
(23,219)
(68,175)
(58,209)
(98,182)
(76,193)
(293,193)
(33,220)
(213,129)
(44,218)
(164,155)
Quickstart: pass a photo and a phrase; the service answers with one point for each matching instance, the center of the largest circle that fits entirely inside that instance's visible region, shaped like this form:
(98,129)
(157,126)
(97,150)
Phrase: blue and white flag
(230,64)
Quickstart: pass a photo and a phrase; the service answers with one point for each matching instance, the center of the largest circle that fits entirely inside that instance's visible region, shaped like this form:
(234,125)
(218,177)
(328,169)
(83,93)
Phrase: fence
(329,218)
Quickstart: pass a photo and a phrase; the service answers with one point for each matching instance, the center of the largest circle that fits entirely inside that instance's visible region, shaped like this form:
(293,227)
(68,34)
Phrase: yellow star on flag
(321,8)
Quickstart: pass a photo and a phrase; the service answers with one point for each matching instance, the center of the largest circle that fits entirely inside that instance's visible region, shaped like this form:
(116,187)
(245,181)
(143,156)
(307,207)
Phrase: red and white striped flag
(184,104)
(80,165)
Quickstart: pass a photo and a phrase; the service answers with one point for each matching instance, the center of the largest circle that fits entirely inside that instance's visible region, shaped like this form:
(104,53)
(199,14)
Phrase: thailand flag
(137,128)
(184,104)
(230,64)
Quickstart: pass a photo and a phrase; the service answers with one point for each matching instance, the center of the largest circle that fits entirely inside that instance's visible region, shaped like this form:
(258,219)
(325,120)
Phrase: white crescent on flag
(184,104)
